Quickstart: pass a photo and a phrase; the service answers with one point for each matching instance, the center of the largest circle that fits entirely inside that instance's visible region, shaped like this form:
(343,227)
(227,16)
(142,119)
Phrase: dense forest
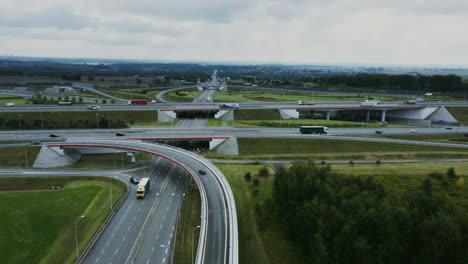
(419,83)
(343,219)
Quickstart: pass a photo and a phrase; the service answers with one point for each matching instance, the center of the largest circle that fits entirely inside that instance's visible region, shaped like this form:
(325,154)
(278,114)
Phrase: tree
(451,173)
(80,100)
(351,163)
(256,182)
(378,162)
(104,101)
(248,177)
(427,186)
(112,101)
(264,171)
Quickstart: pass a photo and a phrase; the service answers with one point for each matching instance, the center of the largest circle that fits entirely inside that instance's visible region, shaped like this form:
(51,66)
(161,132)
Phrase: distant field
(37,223)
(260,114)
(173,96)
(309,122)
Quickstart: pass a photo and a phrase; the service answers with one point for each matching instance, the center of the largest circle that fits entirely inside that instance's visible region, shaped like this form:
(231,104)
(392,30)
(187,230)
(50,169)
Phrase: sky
(397,32)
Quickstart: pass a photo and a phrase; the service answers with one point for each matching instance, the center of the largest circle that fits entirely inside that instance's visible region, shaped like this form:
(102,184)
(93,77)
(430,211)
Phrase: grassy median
(37,222)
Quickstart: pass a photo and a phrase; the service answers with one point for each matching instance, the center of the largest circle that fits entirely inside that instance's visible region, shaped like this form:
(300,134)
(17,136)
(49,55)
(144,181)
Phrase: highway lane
(115,243)
(218,239)
(159,241)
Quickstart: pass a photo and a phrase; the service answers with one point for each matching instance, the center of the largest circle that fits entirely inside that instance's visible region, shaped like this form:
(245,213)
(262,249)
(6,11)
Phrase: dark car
(380,131)
(54,135)
(448,128)
(202,172)
(134,180)
(35,143)
(119,134)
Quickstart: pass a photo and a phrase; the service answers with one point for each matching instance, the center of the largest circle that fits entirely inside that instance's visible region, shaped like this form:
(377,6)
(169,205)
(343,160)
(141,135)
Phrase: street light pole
(97,121)
(193,230)
(76,235)
(20,116)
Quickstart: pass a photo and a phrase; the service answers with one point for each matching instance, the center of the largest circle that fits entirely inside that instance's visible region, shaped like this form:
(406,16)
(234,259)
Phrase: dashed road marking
(117,250)
(123,238)
(97,260)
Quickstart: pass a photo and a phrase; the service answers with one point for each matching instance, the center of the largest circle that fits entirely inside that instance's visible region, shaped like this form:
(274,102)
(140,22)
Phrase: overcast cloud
(290,31)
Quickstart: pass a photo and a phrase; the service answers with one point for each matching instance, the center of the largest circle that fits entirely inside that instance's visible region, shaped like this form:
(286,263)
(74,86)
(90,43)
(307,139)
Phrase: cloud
(303,31)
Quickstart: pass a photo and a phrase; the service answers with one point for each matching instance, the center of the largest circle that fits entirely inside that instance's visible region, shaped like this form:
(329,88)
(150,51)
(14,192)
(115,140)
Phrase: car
(448,128)
(35,143)
(134,180)
(54,135)
(202,172)
(119,134)
(380,131)
(413,131)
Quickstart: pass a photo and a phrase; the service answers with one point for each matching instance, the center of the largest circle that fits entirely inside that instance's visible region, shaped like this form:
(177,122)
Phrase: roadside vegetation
(187,231)
(269,234)
(457,138)
(69,120)
(4,99)
(18,156)
(460,113)
(37,222)
(186,95)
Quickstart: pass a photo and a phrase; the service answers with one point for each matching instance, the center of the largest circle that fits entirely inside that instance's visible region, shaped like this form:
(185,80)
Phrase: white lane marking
(164,260)
(97,260)
(107,243)
(152,249)
(139,209)
(112,234)
(147,261)
(102,251)
(157,237)
(166,251)
(164,217)
(134,218)
(172,228)
(160,227)
(117,250)
(129,228)
(123,238)
(171,234)
(143,202)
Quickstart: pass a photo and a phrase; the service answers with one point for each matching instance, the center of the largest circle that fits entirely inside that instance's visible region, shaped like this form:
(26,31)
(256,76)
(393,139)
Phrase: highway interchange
(143,231)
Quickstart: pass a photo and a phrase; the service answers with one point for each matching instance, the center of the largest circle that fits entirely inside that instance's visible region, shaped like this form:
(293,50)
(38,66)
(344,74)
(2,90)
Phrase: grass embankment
(460,113)
(178,96)
(326,149)
(4,99)
(444,138)
(107,160)
(37,223)
(18,156)
(234,95)
(271,246)
(63,120)
(309,122)
(189,219)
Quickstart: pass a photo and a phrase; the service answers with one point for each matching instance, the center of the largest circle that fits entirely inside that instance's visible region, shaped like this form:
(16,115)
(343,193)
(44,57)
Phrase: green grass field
(260,114)
(460,113)
(253,95)
(174,97)
(270,245)
(37,223)
(19,156)
(4,99)
(189,219)
(445,138)
(324,149)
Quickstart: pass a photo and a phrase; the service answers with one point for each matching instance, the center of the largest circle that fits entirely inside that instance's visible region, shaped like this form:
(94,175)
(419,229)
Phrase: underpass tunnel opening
(190,145)
(196,114)
(365,116)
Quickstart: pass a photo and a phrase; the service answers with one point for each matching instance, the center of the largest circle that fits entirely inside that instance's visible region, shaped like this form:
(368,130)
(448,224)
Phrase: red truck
(137,102)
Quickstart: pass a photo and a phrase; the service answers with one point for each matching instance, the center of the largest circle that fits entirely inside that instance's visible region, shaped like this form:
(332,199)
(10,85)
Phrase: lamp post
(193,230)
(76,234)
(97,121)
(20,116)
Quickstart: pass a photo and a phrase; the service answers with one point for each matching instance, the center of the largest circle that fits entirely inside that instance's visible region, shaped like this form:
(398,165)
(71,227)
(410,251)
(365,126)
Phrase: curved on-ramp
(218,242)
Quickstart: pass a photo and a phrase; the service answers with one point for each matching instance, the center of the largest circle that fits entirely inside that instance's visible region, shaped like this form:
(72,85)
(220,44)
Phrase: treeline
(62,124)
(338,219)
(420,83)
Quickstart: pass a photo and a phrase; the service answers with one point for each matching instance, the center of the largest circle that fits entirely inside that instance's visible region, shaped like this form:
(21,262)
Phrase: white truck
(370,103)
(10,104)
(143,188)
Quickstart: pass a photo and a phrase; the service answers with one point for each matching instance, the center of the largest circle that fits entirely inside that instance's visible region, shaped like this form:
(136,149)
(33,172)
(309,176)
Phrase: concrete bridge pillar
(368,116)
(166,116)
(384,113)
(328,115)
